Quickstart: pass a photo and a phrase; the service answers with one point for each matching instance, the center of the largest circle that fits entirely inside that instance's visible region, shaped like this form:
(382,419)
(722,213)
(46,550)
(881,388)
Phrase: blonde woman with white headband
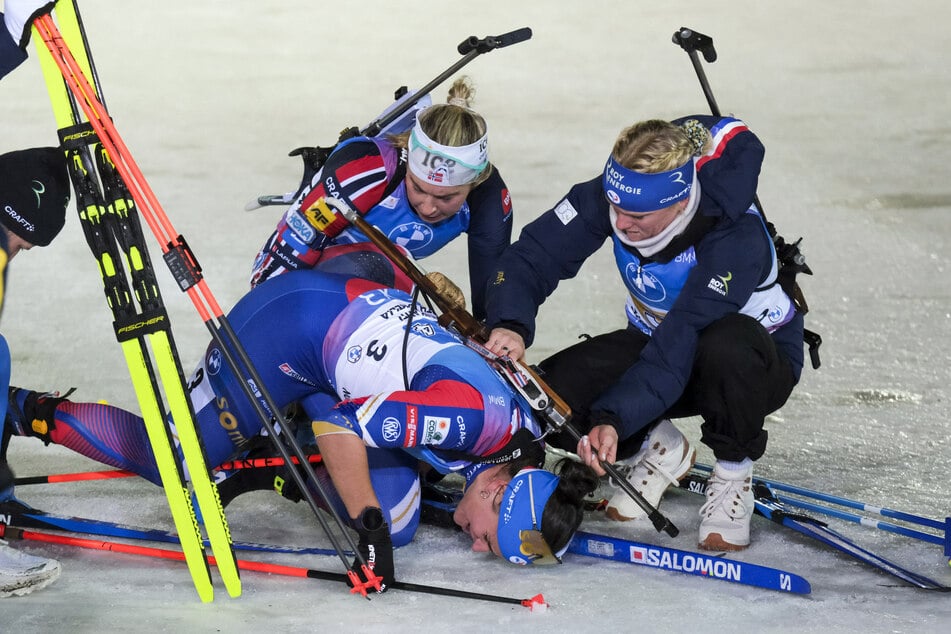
(422,188)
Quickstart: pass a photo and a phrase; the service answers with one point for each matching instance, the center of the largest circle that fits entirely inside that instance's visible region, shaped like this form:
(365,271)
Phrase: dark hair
(565,508)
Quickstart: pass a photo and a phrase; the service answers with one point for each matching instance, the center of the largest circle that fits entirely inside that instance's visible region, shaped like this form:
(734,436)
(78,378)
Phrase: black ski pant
(738,378)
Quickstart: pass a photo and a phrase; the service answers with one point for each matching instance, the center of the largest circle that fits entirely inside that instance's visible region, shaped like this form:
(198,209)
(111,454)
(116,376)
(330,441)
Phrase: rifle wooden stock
(452,316)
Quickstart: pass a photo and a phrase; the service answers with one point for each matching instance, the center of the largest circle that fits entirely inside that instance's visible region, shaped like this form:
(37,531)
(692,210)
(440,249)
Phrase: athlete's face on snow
(641,226)
(478,514)
(434,203)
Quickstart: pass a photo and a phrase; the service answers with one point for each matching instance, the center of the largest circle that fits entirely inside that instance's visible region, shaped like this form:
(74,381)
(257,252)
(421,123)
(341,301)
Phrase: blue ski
(27,518)
(780,489)
(770,507)
(440,502)
(775,510)
(685,561)
(437,509)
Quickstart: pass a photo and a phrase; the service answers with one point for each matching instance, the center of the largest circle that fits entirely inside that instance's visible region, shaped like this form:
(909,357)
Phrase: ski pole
(773,509)
(861,506)
(544,399)
(695,483)
(859,519)
(33,519)
(943,527)
(80,476)
(841,501)
(11,532)
(186,271)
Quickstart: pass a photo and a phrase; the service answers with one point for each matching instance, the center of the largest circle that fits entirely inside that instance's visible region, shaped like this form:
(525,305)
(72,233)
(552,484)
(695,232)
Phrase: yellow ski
(113,232)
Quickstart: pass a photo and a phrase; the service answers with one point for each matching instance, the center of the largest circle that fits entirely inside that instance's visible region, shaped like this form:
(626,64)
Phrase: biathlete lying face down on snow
(384,388)
(422,187)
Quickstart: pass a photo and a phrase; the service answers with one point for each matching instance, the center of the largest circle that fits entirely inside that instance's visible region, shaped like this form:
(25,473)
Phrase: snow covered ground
(850,99)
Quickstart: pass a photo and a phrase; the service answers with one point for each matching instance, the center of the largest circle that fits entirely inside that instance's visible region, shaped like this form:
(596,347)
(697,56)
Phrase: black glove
(375,545)
(19,18)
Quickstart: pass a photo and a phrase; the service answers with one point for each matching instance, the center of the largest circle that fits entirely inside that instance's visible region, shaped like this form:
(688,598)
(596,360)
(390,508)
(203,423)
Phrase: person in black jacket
(709,332)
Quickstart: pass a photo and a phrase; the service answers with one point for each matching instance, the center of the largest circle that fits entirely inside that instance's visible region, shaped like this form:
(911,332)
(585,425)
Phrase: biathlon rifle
(791,259)
(315,156)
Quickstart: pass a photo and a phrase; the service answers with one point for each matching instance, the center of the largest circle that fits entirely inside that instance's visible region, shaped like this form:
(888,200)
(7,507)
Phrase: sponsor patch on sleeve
(435,429)
(565,211)
(506,203)
(412,415)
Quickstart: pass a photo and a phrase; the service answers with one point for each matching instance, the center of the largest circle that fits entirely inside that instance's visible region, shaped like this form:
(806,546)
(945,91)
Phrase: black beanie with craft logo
(34,193)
